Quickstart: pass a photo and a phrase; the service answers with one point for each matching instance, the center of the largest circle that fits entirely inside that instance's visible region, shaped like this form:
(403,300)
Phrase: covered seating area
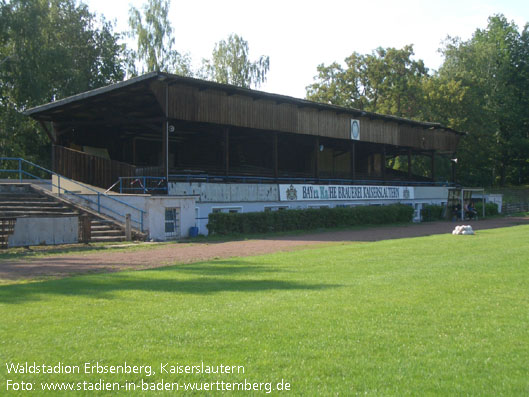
(183,129)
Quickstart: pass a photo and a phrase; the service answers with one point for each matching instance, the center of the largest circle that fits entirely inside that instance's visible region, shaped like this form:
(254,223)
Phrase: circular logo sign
(355,129)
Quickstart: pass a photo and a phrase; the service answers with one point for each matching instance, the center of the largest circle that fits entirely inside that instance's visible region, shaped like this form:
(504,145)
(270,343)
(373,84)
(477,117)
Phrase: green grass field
(439,315)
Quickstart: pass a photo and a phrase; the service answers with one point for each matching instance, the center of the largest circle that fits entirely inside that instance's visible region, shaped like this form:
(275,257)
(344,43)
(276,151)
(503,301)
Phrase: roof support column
(409,163)
(165,138)
(226,151)
(275,155)
(50,135)
(165,150)
(353,160)
(454,164)
(433,166)
(316,157)
(383,161)
(53,141)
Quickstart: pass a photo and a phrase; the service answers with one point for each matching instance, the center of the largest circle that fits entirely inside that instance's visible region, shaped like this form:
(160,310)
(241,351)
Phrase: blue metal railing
(102,199)
(304,180)
(145,184)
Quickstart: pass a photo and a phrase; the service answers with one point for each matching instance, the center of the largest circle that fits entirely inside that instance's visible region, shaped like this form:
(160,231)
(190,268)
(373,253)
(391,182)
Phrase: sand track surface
(163,255)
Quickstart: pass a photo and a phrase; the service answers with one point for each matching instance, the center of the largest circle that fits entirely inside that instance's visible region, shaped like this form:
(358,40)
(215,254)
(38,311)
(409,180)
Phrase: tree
(49,49)
(482,88)
(493,68)
(231,64)
(386,81)
(155,42)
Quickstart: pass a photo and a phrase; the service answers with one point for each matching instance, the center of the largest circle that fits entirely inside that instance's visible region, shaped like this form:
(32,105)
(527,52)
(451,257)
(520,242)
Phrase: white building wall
(45,231)
(197,200)
(226,192)
(153,207)
(204,207)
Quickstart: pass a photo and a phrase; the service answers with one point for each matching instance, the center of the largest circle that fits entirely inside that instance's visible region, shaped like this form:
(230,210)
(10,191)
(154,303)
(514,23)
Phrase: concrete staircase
(7,228)
(24,200)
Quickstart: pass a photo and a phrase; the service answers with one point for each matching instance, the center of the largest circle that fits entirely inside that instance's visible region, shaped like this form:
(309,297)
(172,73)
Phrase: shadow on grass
(222,268)
(168,280)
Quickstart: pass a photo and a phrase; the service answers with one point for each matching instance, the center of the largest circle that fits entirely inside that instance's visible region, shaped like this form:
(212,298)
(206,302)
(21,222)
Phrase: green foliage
(512,194)
(491,209)
(231,64)
(493,69)
(431,213)
(390,81)
(307,219)
(155,41)
(386,81)
(482,88)
(49,49)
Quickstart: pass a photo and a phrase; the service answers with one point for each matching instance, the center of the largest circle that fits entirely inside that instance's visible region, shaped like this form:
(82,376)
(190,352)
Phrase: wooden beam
(114,120)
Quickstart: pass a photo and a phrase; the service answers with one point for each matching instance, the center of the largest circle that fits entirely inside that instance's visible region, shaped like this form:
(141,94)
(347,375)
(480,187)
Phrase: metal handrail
(260,179)
(142,180)
(100,195)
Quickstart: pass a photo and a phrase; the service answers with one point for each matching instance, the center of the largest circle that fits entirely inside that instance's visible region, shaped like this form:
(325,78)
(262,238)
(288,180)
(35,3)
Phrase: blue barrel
(193,231)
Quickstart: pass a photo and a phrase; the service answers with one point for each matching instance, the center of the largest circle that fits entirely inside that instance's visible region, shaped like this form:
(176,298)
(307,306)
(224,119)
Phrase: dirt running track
(63,265)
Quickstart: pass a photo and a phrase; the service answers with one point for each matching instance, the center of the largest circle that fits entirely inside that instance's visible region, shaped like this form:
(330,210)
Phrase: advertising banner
(297,192)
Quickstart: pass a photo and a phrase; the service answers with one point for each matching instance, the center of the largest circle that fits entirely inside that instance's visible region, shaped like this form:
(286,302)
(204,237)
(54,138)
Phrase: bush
(307,219)
(431,213)
(490,209)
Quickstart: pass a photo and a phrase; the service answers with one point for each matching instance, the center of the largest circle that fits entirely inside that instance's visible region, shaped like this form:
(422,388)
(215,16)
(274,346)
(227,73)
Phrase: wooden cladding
(87,168)
(190,103)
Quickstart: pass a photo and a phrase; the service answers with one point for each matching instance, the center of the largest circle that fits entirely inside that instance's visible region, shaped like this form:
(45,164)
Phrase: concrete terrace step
(99,226)
(50,208)
(106,239)
(23,203)
(14,196)
(28,201)
(26,213)
(107,232)
(20,194)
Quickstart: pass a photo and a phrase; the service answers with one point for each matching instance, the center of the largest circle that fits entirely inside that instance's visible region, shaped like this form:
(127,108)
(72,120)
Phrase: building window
(276,208)
(172,222)
(226,210)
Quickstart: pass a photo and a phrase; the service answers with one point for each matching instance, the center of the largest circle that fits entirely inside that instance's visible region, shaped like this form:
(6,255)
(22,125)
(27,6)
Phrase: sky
(300,35)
